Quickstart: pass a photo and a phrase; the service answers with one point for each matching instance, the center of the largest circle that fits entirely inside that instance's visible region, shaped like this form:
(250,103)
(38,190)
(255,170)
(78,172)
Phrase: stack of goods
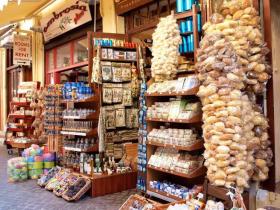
(112,54)
(117,94)
(114,138)
(231,61)
(170,159)
(77,190)
(174,86)
(37,105)
(210,205)
(58,177)
(49,161)
(53,116)
(17,169)
(190,204)
(172,136)
(44,179)
(79,162)
(77,126)
(176,190)
(113,43)
(77,113)
(34,160)
(64,184)
(137,202)
(185,65)
(174,109)
(77,91)
(142,139)
(166,40)
(80,144)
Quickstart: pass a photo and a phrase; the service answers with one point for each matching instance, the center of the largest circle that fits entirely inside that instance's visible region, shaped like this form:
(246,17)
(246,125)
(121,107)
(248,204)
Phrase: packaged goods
(17,169)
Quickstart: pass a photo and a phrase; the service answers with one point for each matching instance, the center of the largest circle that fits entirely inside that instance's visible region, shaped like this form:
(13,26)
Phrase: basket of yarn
(17,169)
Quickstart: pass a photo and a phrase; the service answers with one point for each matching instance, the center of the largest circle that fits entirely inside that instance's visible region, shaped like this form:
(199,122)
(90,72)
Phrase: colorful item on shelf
(17,169)
(113,43)
(81,90)
(175,190)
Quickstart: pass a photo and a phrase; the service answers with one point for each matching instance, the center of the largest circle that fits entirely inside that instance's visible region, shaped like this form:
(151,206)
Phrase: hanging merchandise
(232,68)
(166,40)
(135,85)
(96,76)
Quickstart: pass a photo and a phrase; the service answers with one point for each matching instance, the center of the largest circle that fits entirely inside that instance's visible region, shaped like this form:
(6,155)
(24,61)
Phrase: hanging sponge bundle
(166,41)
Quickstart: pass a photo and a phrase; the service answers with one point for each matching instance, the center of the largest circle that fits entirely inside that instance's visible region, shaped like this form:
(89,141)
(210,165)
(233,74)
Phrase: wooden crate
(108,184)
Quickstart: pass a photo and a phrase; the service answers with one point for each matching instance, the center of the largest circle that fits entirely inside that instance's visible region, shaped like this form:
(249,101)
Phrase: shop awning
(14,12)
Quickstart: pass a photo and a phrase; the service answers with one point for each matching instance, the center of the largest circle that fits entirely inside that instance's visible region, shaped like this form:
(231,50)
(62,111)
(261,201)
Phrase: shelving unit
(196,146)
(162,195)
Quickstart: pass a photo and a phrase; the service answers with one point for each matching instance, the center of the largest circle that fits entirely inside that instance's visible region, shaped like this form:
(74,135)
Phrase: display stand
(21,116)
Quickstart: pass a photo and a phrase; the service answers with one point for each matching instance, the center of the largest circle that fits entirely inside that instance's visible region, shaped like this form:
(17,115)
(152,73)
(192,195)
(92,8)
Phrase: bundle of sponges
(240,23)
(166,40)
(231,59)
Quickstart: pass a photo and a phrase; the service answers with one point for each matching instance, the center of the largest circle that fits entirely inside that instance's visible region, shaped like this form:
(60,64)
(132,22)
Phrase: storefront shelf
(21,116)
(196,173)
(192,91)
(94,98)
(120,48)
(118,60)
(91,149)
(195,119)
(93,116)
(162,195)
(77,133)
(196,146)
(21,104)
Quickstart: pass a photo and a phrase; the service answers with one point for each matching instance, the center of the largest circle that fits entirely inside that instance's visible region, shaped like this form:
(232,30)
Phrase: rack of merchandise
(19,133)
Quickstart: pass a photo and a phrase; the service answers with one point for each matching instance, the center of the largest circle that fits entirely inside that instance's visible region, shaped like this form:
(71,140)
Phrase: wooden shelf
(120,48)
(21,116)
(18,129)
(20,145)
(77,133)
(118,60)
(93,116)
(196,173)
(195,119)
(91,149)
(162,195)
(192,91)
(21,104)
(186,33)
(196,146)
(183,15)
(94,98)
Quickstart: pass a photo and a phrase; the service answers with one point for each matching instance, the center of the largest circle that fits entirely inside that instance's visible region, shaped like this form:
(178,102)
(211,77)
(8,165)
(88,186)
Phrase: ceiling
(14,12)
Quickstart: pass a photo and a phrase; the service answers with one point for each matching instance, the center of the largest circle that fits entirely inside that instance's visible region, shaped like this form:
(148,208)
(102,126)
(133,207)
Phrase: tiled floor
(29,196)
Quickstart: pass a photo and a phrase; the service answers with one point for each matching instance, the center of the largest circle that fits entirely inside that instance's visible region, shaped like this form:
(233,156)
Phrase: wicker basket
(165,206)
(64,182)
(80,193)
(140,199)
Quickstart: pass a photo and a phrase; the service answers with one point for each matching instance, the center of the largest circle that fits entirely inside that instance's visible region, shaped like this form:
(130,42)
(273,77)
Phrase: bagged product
(17,169)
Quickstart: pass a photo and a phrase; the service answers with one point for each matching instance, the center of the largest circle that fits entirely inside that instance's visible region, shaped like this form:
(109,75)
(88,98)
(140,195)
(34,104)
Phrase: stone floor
(29,196)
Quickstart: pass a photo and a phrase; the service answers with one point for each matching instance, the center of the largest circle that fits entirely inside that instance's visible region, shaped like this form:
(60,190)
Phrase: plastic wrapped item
(17,169)
(46,177)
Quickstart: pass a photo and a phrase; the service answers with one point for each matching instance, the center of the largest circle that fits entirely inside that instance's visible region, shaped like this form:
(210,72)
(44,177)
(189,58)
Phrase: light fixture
(4,3)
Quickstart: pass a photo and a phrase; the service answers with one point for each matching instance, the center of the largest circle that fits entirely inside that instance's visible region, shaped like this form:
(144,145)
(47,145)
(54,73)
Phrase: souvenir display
(77,91)
(170,159)
(235,130)
(44,179)
(166,40)
(64,184)
(79,126)
(175,109)
(58,177)
(77,113)
(113,43)
(212,205)
(174,189)
(79,143)
(180,85)
(183,137)
(137,202)
(79,188)
(17,169)
(79,162)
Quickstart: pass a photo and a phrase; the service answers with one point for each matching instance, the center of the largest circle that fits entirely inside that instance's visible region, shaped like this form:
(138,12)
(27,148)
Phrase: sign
(22,50)
(74,14)
(123,6)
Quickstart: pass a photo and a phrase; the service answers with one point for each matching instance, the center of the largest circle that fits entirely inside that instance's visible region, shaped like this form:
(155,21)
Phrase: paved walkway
(29,196)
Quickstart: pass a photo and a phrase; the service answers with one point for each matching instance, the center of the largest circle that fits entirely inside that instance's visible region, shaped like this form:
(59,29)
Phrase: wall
(111,22)
(3,88)
(275,26)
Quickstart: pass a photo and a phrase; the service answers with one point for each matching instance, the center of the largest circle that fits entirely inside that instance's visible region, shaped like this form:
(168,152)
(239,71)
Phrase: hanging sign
(22,50)
(123,6)
(72,15)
